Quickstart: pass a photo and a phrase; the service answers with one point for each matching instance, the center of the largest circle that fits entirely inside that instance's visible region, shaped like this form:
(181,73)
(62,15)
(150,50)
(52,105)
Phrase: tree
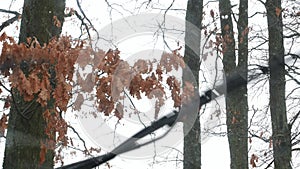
(281,131)
(26,127)
(192,141)
(236,100)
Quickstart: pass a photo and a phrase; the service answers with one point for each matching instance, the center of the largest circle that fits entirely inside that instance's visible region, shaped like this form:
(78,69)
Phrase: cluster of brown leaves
(34,67)
(143,78)
(43,74)
(253,160)
(55,125)
(3,124)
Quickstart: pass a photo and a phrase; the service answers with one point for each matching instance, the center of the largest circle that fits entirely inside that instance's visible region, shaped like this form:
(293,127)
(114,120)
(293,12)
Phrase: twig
(138,114)
(11,12)
(1,84)
(291,123)
(88,20)
(261,138)
(11,20)
(80,138)
(296,149)
(269,165)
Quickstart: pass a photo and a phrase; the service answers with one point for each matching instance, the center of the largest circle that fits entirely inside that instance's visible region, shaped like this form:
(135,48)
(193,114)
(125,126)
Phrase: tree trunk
(192,140)
(26,128)
(236,100)
(281,131)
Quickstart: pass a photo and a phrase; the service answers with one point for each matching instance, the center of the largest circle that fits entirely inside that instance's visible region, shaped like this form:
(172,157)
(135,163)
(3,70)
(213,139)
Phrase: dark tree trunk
(236,101)
(281,131)
(192,140)
(38,21)
(26,123)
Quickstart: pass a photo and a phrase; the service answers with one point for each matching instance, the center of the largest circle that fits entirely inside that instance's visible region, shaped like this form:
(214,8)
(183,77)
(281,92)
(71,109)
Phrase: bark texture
(236,100)
(26,123)
(281,131)
(192,140)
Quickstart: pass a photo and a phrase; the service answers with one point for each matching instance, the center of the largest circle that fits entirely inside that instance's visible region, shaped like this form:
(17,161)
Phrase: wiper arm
(235,80)
(128,145)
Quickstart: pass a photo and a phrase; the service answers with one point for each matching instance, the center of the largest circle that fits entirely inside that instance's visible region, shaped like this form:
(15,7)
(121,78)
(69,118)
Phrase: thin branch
(10,12)
(87,25)
(295,138)
(257,13)
(294,79)
(88,20)
(269,165)
(1,84)
(262,2)
(149,1)
(138,114)
(11,20)
(295,33)
(211,1)
(80,138)
(165,9)
(261,138)
(163,25)
(296,149)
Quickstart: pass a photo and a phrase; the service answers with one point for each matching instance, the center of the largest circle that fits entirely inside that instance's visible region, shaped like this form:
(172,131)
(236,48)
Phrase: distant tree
(236,100)
(192,140)
(281,136)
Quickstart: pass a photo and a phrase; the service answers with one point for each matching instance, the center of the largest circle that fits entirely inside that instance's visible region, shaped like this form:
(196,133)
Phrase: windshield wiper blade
(233,81)
(128,145)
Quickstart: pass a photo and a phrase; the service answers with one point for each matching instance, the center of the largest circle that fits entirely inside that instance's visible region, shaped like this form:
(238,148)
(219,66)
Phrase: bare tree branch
(85,22)
(80,138)
(11,20)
